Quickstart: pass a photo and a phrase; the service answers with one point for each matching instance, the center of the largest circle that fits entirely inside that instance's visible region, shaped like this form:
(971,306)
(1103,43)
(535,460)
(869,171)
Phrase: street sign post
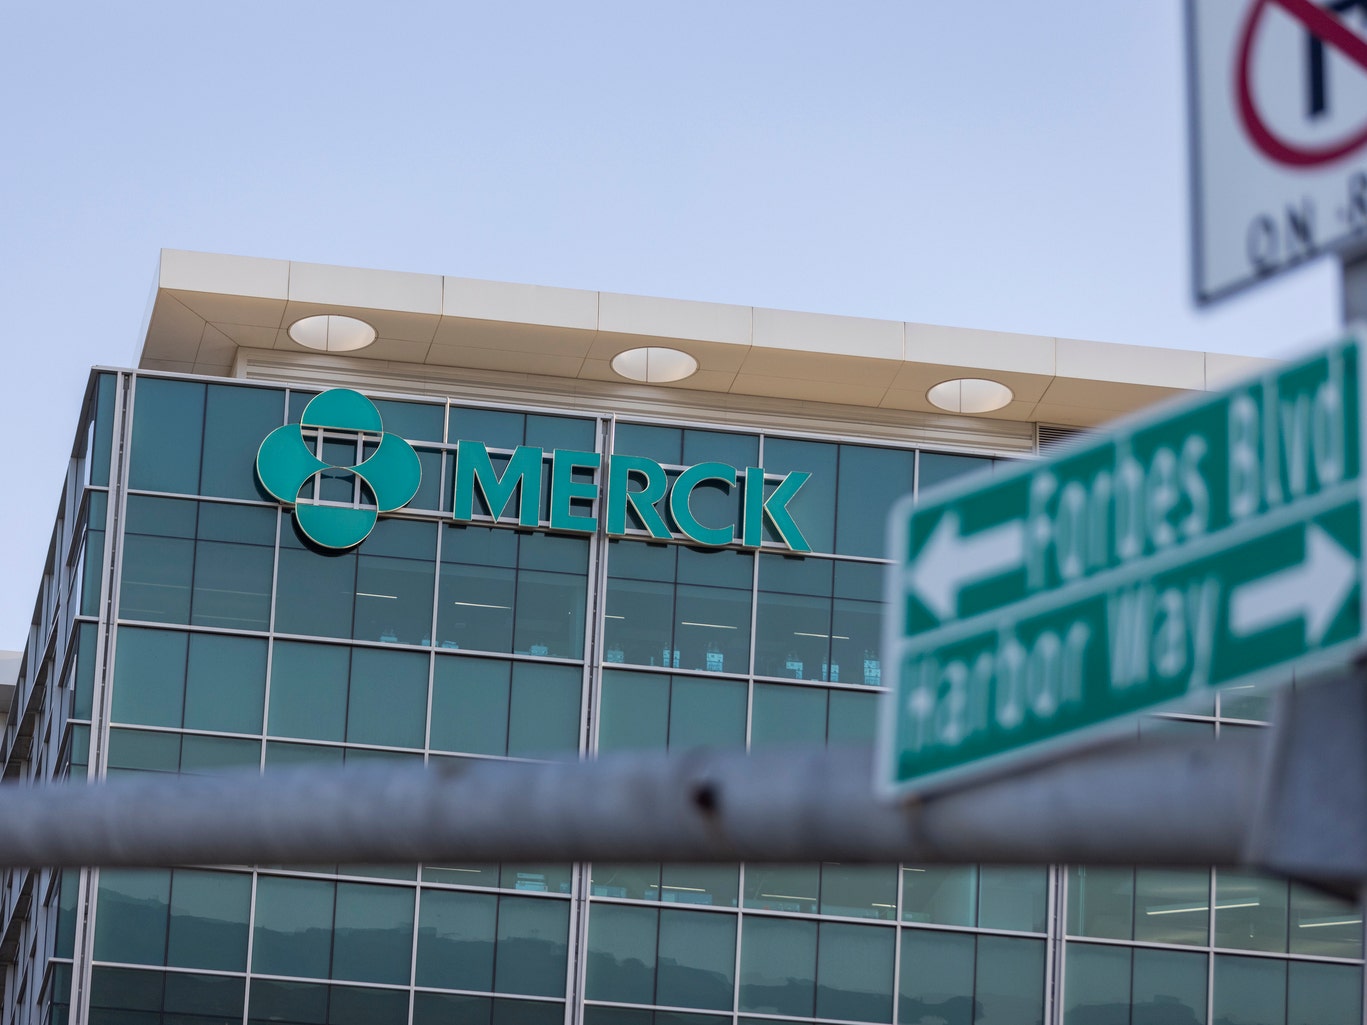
(1278,94)
(1212,542)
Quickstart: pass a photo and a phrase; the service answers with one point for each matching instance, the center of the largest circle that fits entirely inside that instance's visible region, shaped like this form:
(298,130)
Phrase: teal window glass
(793,619)
(201,755)
(936,979)
(130,996)
(1097,985)
(854,972)
(1168,983)
(853,719)
(1010,980)
(813,507)
(1322,925)
(309,690)
(711,885)
(446,1008)
(543,710)
(1247,701)
(654,711)
(315,593)
(68,891)
(859,891)
(496,428)
(1320,994)
(129,991)
(387,703)
(394,580)
(1101,901)
(102,428)
(634,712)
(1171,905)
(696,960)
(92,558)
(143,751)
(622,954)
(131,916)
(293,929)
(168,429)
(456,940)
(638,882)
(158,560)
(208,921)
(662,444)
(857,623)
(778,966)
(225,684)
(871,480)
(413,421)
(939,468)
(940,894)
(1012,897)
(470,705)
(1249,990)
(706,713)
(532,946)
(236,421)
(795,888)
(785,716)
(82,671)
(149,677)
(372,937)
(1250,911)
(538,878)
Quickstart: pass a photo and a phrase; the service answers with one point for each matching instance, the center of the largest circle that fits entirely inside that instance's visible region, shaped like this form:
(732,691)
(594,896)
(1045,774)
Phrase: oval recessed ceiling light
(654,364)
(332,332)
(970,395)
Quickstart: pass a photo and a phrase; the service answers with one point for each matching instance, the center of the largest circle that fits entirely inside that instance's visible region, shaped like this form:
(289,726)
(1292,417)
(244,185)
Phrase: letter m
(522,474)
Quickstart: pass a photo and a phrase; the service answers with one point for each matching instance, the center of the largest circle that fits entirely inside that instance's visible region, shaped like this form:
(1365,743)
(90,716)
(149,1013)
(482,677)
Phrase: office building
(336,516)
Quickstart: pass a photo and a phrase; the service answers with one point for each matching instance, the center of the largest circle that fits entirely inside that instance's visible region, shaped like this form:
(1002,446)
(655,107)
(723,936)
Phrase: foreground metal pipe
(1152,802)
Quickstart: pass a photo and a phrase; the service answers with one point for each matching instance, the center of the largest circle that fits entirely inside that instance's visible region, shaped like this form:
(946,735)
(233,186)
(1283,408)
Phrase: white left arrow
(1314,589)
(950,561)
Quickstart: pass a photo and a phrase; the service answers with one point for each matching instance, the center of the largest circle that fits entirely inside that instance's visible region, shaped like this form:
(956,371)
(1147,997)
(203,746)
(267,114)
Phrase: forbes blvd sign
(1216,542)
(386,467)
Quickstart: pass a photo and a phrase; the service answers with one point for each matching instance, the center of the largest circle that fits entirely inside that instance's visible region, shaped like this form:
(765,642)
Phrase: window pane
(1098,985)
(871,480)
(640,616)
(622,958)
(697,960)
(143,750)
(130,916)
(778,966)
(939,468)
(782,887)
(475,609)
(937,978)
(550,614)
(470,705)
(713,633)
(699,884)
(233,583)
(544,710)
(1322,925)
(533,945)
(792,635)
(209,920)
(1250,911)
(293,932)
(211,997)
(788,716)
(235,421)
(156,578)
(1250,990)
(388,700)
(1012,898)
(1171,905)
(1101,901)
(859,891)
(315,592)
(149,677)
(394,592)
(813,507)
(853,718)
(940,894)
(1168,984)
(168,425)
(638,882)
(217,754)
(226,685)
(1323,994)
(634,713)
(706,713)
(372,939)
(309,691)
(456,940)
(854,972)
(1010,980)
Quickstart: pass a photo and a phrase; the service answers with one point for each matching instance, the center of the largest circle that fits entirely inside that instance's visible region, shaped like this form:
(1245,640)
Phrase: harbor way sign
(1214,542)
(1278,135)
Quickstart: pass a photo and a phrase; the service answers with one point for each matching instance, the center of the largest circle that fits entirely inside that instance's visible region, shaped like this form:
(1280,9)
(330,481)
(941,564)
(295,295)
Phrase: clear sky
(1021,167)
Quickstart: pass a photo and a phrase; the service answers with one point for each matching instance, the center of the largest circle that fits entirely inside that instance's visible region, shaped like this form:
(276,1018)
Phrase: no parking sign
(1279,135)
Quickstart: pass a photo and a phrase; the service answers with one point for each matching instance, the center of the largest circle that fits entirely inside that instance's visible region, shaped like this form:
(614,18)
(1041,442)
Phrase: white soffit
(206,304)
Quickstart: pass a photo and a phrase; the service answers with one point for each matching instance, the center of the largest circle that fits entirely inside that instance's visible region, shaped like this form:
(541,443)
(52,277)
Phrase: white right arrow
(950,561)
(1315,589)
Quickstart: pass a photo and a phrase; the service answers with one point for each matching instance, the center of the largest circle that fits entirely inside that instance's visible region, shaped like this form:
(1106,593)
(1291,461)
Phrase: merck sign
(288,467)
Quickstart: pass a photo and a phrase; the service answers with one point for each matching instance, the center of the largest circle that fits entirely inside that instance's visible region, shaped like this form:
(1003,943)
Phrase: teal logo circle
(292,472)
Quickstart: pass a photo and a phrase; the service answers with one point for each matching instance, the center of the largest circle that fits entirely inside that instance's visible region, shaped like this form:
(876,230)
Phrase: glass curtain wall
(210,635)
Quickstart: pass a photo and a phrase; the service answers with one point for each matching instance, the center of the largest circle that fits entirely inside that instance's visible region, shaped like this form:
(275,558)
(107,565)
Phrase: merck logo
(336,505)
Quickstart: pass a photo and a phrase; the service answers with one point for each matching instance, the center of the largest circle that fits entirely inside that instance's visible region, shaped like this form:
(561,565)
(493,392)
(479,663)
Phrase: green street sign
(1215,541)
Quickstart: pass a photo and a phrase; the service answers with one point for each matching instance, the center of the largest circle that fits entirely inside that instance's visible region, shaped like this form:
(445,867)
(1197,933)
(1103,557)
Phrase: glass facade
(184,624)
